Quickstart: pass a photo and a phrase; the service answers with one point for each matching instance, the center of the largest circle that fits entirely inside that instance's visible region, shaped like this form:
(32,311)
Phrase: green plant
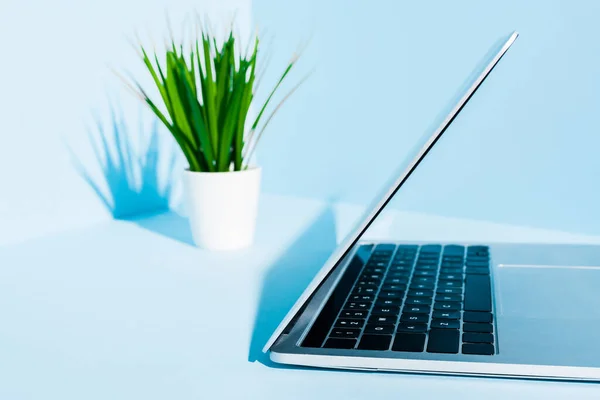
(207,98)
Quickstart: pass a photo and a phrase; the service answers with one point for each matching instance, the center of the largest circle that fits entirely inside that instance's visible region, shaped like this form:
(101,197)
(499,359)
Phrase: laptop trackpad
(539,291)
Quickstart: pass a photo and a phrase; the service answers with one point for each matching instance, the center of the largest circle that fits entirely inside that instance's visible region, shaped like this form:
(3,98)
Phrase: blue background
(523,151)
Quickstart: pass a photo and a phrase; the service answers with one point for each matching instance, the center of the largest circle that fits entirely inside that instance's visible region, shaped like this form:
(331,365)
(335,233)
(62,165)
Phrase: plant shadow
(288,276)
(136,180)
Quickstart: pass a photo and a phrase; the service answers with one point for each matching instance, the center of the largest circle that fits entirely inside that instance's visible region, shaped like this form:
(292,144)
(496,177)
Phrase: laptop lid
(422,147)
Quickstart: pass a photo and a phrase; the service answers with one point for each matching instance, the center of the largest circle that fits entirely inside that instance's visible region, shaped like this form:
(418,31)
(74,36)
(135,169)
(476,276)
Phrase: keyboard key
(345,333)
(451,270)
(450,298)
(449,290)
(432,263)
(375,342)
(474,327)
(381,256)
(431,248)
(474,316)
(420,293)
(395,281)
(374,270)
(476,248)
(393,288)
(374,284)
(477,265)
(454,261)
(413,342)
(423,279)
(426,267)
(349,323)
(383,319)
(444,324)
(447,306)
(401,271)
(385,311)
(478,293)
(362,297)
(476,337)
(358,305)
(428,256)
(402,277)
(478,348)
(425,273)
(480,253)
(449,284)
(380,329)
(384,247)
(381,263)
(405,255)
(418,300)
(338,343)
(414,318)
(443,341)
(367,290)
(454,249)
(438,314)
(371,277)
(451,277)
(410,327)
(388,302)
(472,267)
(353,314)
(472,260)
(402,265)
(419,286)
(453,255)
(417,309)
(408,248)
(477,271)
(390,295)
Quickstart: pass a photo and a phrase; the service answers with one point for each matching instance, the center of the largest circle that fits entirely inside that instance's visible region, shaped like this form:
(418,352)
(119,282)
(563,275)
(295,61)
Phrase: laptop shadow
(287,278)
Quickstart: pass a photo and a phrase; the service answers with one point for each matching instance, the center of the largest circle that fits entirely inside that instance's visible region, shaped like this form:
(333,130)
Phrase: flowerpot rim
(249,169)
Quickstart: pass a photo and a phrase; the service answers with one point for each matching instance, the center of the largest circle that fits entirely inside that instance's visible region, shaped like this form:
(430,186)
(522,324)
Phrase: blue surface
(524,149)
(130,310)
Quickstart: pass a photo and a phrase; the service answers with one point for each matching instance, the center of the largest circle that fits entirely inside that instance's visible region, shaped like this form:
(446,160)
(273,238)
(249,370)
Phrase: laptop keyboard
(410,298)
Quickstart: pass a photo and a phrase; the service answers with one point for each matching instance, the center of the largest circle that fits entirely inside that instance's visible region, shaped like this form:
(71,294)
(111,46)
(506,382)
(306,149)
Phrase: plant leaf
(285,72)
(233,112)
(178,99)
(199,128)
(209,99)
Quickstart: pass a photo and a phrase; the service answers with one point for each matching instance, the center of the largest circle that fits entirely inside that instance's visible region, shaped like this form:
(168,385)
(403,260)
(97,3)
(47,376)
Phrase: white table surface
(130,310)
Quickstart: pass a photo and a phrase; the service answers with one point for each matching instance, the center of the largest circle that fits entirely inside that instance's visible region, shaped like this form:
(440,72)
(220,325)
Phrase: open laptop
(448,308)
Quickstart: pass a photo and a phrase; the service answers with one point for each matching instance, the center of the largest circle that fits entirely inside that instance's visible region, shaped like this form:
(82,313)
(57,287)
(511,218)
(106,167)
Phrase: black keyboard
(409,298)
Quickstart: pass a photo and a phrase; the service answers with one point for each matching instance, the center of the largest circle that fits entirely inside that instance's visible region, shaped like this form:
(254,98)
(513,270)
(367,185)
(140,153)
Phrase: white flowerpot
(222,207)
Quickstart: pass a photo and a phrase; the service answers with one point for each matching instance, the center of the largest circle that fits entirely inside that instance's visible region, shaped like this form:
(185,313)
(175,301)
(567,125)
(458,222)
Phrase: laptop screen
(380,222)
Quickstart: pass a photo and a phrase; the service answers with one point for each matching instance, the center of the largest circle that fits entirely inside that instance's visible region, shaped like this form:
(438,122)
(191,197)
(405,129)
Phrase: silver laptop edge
(382,199)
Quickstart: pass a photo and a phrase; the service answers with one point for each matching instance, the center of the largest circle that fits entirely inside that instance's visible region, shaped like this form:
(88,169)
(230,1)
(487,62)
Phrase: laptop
(510,310)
